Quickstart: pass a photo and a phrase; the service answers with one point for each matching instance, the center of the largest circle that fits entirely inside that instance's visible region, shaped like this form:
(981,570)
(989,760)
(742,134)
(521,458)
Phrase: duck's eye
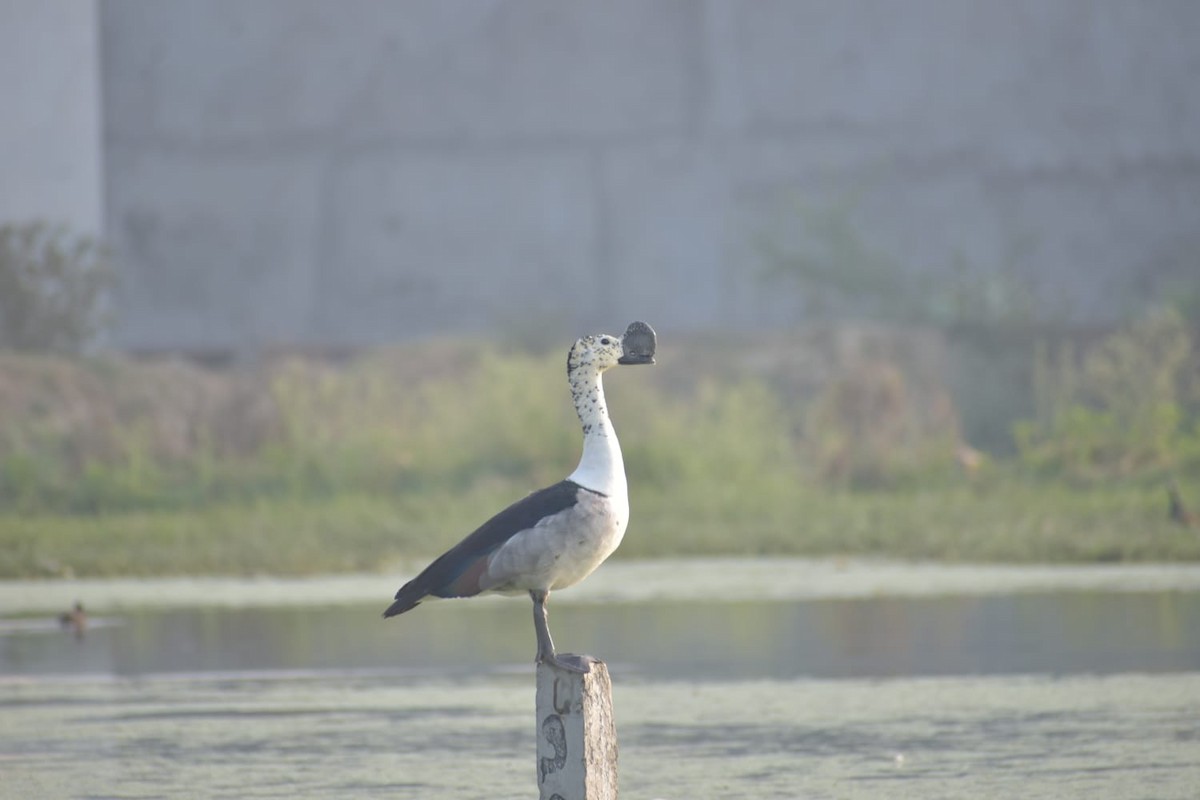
(606,341)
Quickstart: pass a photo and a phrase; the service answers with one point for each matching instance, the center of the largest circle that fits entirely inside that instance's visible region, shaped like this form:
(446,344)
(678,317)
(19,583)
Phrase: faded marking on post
(556,734)
(561,708)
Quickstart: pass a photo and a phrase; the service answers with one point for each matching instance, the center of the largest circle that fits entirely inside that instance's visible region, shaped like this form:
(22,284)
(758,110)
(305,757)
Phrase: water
(339,735)
(1031,692)
(1043,632)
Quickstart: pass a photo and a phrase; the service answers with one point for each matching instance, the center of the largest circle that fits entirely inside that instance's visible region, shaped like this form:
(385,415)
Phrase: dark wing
(456,573)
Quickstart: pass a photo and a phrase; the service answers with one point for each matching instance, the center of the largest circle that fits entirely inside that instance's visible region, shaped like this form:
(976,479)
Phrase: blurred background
(304,247)
(306,173)
(285,292)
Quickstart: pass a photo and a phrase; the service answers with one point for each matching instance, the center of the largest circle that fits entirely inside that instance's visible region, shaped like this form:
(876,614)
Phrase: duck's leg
(545,652)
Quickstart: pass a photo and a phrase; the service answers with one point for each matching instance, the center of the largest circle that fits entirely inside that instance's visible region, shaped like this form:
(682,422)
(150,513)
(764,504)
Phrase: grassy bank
(1012,522)
(116,467)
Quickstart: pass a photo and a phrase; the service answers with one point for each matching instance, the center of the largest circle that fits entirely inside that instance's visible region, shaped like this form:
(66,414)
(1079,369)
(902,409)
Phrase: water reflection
(1069,632)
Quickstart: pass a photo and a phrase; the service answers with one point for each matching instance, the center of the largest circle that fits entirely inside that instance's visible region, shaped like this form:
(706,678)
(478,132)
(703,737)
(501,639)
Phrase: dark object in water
(74,620)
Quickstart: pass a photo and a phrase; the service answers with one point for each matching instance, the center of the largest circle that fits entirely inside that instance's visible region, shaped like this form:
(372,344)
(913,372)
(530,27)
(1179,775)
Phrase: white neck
(601,467)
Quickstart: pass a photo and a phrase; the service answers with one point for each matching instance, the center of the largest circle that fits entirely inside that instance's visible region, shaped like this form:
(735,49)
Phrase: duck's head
(603,351)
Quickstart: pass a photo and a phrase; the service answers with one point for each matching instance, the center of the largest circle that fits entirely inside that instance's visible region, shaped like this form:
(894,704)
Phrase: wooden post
(576,734)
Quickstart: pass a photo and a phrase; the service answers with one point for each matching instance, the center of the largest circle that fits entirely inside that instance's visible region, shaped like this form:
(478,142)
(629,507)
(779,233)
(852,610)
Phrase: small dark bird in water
(74,620)
(1178,512)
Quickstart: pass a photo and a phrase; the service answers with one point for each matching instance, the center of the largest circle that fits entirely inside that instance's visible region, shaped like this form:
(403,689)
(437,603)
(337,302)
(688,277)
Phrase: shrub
(51,288)
(868,428)
(1129,405)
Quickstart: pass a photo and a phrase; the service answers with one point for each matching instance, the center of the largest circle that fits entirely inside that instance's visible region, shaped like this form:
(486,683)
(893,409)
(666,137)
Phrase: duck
(555,537)
(74,620)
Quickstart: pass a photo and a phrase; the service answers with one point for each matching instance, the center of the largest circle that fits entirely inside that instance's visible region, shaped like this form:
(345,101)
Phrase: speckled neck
(601,467)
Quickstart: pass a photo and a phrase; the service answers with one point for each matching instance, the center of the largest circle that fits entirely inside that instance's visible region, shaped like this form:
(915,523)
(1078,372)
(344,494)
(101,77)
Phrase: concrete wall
(50,159)
(300,171)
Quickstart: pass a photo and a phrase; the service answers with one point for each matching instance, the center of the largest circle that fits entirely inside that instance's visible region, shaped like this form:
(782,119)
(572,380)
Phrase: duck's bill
(638,344)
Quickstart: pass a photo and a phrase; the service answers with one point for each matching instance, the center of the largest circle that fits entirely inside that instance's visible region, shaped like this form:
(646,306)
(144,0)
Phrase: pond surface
(1034,692)
(1043,632)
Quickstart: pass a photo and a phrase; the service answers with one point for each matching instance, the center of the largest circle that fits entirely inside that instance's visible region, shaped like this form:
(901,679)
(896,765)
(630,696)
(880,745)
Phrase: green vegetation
(51,288)
(1128,406)
(1012,521)
(112,467)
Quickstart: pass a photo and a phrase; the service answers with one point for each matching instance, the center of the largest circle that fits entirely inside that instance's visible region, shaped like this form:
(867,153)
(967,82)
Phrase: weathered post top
(576,733)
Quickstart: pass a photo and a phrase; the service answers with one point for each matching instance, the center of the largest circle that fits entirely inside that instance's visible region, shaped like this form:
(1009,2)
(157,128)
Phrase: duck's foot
(569,662)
